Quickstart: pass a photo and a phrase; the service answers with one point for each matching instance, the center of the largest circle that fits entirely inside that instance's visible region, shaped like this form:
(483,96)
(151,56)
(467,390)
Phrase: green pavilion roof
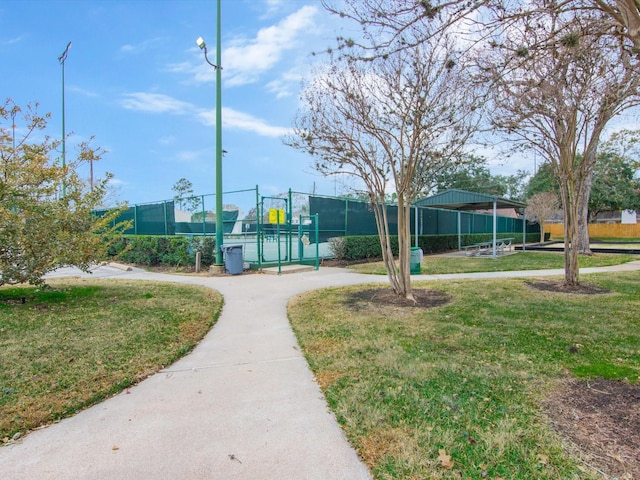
(463,200)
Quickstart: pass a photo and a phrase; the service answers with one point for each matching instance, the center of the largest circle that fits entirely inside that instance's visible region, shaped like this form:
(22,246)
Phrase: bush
(153,250)
(364,247)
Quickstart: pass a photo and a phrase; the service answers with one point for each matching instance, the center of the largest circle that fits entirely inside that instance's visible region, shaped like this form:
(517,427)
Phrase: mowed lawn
(456,390)
(70,345)
(531,260)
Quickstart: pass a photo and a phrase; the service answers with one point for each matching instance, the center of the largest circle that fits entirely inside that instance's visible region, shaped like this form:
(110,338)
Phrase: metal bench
(486,248)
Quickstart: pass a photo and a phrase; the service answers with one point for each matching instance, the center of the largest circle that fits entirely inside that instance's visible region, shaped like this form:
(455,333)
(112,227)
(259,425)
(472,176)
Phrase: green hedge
(363,247)
(154,250)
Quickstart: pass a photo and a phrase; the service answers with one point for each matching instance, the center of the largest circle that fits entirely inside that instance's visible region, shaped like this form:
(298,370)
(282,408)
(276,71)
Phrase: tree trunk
(404,246)
(584,247)
(570,209)
(380,214)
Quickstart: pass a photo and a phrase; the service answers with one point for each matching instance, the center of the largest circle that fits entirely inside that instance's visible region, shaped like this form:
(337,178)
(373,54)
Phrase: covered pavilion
(462,200)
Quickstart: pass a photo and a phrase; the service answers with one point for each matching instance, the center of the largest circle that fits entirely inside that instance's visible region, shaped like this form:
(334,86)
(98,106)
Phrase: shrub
(363,247)
(153,250)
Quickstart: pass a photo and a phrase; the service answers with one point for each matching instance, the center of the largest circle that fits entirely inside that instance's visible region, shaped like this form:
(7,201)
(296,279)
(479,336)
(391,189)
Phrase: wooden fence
(600,230)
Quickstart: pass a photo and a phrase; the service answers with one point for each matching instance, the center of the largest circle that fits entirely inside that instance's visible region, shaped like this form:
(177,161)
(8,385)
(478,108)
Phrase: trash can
(416,259)
(233,262)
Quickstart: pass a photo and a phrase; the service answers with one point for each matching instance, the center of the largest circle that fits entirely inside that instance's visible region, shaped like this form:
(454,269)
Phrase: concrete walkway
(242,405)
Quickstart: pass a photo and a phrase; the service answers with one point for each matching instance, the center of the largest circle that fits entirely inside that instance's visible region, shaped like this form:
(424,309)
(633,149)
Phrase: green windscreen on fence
(229,219)
(148,219)
(159,219)
(345,217)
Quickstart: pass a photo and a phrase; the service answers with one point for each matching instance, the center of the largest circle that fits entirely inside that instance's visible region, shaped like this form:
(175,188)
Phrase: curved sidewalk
(242,405)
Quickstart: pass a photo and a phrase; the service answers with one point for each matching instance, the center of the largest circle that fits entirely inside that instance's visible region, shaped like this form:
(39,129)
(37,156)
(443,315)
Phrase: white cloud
(116,181)
(155,103)
(159,103)
(288,83)
(141,46)
(170,140)
(188,156)
(243,121)
(246,59)
(11,41)
(82,91)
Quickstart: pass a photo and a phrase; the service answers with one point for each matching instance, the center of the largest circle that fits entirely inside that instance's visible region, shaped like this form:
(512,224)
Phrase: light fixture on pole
(61,59)
(219,224)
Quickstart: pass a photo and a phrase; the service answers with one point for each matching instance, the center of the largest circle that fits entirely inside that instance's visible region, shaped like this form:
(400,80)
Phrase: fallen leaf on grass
(445,460)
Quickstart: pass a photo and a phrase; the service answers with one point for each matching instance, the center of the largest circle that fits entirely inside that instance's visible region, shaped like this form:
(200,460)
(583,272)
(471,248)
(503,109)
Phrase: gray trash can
(416,258)
(233,261)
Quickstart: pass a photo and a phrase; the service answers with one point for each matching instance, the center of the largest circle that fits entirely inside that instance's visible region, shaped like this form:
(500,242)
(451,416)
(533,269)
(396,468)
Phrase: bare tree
(541,208)
(392,25)
(393,123)
(559,100)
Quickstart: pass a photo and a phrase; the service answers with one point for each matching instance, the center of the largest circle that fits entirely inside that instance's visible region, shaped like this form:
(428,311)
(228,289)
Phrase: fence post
(495,227)
(316,217)
(204,218)
(415,222)
(166,230)
(289,221)
(278,234)
(524,230)
(258,224)
(346,215)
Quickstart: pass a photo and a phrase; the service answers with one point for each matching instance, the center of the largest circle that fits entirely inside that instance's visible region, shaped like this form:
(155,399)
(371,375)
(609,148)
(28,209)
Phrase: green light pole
(218,68)
(61,59)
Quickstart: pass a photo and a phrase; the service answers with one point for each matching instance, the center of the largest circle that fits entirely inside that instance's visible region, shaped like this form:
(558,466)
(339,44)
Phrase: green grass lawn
(69,346)
(455,391)
(438,264)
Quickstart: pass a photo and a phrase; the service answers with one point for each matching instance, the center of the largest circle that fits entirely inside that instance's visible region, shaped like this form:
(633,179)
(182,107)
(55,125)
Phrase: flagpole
(61,59)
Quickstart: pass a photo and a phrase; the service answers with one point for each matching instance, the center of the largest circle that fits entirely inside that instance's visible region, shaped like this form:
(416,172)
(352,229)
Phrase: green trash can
(416,259)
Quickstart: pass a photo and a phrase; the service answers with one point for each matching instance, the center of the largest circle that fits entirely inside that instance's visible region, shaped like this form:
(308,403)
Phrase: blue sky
(136,80)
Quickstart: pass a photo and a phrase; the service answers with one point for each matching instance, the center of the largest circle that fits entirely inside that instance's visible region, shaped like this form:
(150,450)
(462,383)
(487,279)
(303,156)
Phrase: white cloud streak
(246,59)
(159,103)
(243,121)
(155,103)
(140,47)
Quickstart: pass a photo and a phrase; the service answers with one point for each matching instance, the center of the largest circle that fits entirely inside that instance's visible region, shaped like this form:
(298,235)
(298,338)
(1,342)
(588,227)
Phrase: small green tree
(542,181)
(184,197)
(472,174)
(614,185)
(40,230)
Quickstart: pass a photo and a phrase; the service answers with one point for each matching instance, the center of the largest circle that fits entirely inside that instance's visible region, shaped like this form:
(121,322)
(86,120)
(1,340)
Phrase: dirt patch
(561,287)
(190,270)
(601,418)
(386,297)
